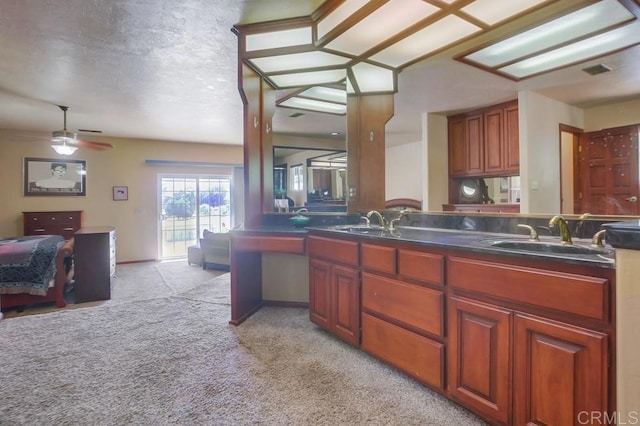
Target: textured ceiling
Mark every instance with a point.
(166, 69)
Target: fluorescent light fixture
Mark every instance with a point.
(373, 79)
(278, 39)
(440, 34)
(387, 21)
(589, 20)
(308, 78)
(599, 45)
(314, 105)
(298, 61)
(329, 94)
(338, 16)
(493, 11)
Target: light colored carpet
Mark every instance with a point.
(175, 359)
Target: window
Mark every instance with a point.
(297, 178)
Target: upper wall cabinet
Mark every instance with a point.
(485, 142)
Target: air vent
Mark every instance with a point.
(296, 115)
(597, 69)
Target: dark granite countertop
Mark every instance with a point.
(623, 234)
(471, 234)
(479, 242)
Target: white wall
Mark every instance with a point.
(539, 118)
(615, 115)
(436, 146)
(403, 177)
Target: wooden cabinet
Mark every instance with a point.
(403, 310)
(560, 371)
(485, 142)
(95, 263)
(64, 223)
(334, 287)
(560, 367)
(479, 357)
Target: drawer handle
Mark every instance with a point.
(38, 230)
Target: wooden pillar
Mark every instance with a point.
(259, 106)
(367, 116)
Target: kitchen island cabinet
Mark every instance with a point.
(515, 338)
(526, 341)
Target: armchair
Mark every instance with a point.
(214, 247)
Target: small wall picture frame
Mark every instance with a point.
(120, 193)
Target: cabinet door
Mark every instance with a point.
(320, 293)
(346, 304)
(457, 147)
(493, 147)
(474, 144)
(511, 140)
(560, 372)
(479, 367)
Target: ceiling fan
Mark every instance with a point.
(66, 142)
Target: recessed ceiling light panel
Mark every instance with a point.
(314, 105)
(297, 61)
(308, 78)
(387, 21)
(440, 34)
(339, 15)
(593, 47)
(277, 39)
(373, 79)
(493, 11)
(328, 94)
(589, 20)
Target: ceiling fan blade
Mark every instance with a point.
(93, 145)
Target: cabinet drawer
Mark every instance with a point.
(575, 294)
(421, 266)
(419, 357)
(410, 304)
(275, 244)
(331, 249)
(378, 258)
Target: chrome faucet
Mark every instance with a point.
(379, 216)
(565, 234)
(303, 209)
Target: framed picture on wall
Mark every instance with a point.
(120, 193)
(54, 177)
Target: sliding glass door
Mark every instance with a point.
(189, 205)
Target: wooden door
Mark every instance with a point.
(609, 171)
(345, 300)
(479, 357)
(320, 293)
(560, 373)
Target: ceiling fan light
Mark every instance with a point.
(64, 149)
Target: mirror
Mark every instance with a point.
(312, 178)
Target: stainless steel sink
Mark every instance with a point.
(549, 247)
(367, 229)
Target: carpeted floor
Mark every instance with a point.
(173, 358)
